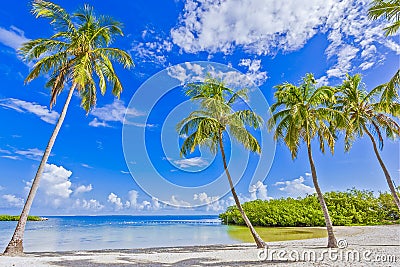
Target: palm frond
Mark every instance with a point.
(59, 17)
(389, 10)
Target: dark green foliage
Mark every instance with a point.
(16, 218)
(353, 207)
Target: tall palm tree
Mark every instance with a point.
(78, 50)
(300, 114)
(207, 127)
(365, 116)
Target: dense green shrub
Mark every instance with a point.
(353, 207)
(16, 218)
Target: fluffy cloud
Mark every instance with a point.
(174, 201)
(83, 189)
(55, 186)
(193, 72)
(114, 199)
(132, 202)
(13, 201)
(49, 116)
(259, 26)
(133, 196)
(13, 37)
(92, 204)
(191, 162)
(296, 187)
(263, 27)
(55, 181)
(213, 203)
(259, 191)
(153, 48)
(254, 73)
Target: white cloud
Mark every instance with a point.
(193, 72)
(264, 27)
(254, 73)
(259, 191)
(92, 204)
(174, 201)
(83, 189)
(344, 57)
(296, 187)
(31, 153)
(133, 196)
(153, 48)
(156, 203)
(2, 187)
(86, 166)
(115, 112)
(13, 201)
(11, 157)
(259, 26)
(191, 162)
(55, 182)
(96, 123)
(213, 203)
(13, 37)
(46, 115)
(4, 151)
(114, 199)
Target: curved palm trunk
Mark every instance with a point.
(15, 246)
(385, 171)
(259, 242)
(331, 236)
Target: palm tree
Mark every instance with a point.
(389, 10)
(300, 114)
(366, 117)
(79, 49)
(207, 126)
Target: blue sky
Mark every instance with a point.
(266, 42)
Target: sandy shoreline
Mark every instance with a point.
(366, 245)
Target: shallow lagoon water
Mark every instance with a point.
(66, 233)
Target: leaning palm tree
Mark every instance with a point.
(365, 116)
(78, 50)
(207, 127)
(300, 114)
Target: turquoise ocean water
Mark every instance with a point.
(65, 233)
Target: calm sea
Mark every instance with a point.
(61, 233)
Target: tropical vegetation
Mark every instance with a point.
(352, 207)
(77, 52)
(209, 125)
(4, 217)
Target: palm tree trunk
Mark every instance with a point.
(385, 171)
(259, 242)
(15, 246)
(331, 236)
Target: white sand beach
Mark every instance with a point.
(364, 246)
